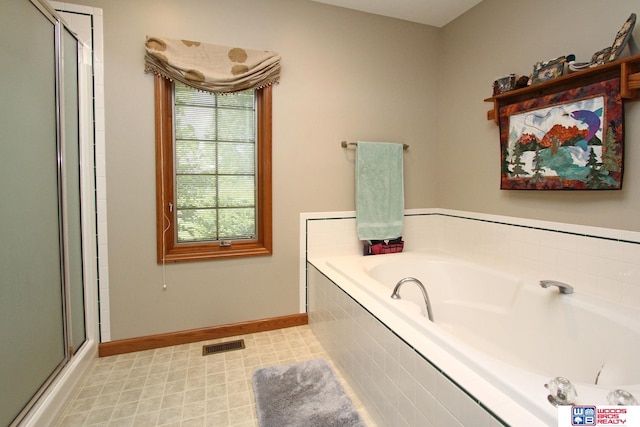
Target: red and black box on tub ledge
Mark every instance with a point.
(387, 246)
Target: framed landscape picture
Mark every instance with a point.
(571, 140)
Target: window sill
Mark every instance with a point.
(186, 253)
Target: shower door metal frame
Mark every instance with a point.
(59, 28)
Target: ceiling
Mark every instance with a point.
(431, 12)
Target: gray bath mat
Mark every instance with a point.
(304, 394)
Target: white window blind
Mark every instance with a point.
(215, 165)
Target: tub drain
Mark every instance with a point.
(222, 347)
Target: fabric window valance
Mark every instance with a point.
(209, 67)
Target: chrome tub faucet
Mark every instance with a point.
(396, 293)
(562, 287)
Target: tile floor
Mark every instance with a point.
(177, 386)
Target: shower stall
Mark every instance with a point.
(47, 206)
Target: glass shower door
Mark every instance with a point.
(36, 221)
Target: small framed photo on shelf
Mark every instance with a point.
(504, 84)
(543, 71)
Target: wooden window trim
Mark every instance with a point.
(167, 249)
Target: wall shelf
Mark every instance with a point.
(628, 69)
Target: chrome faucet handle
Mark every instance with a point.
(561, 391)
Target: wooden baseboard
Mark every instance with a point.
(203, 334)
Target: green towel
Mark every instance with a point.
(379, 190)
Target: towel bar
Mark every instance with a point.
(345, 144)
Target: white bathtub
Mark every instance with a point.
(513, 333)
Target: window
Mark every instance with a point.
(213, 173)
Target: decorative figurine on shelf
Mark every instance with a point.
(523, 81)
(623, 38)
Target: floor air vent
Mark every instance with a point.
(222, 347)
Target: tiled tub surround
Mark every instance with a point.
(598, 262)
(397, 385)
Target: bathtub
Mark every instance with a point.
(510, 332)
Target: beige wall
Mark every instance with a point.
(346, 75)
(498, 37)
